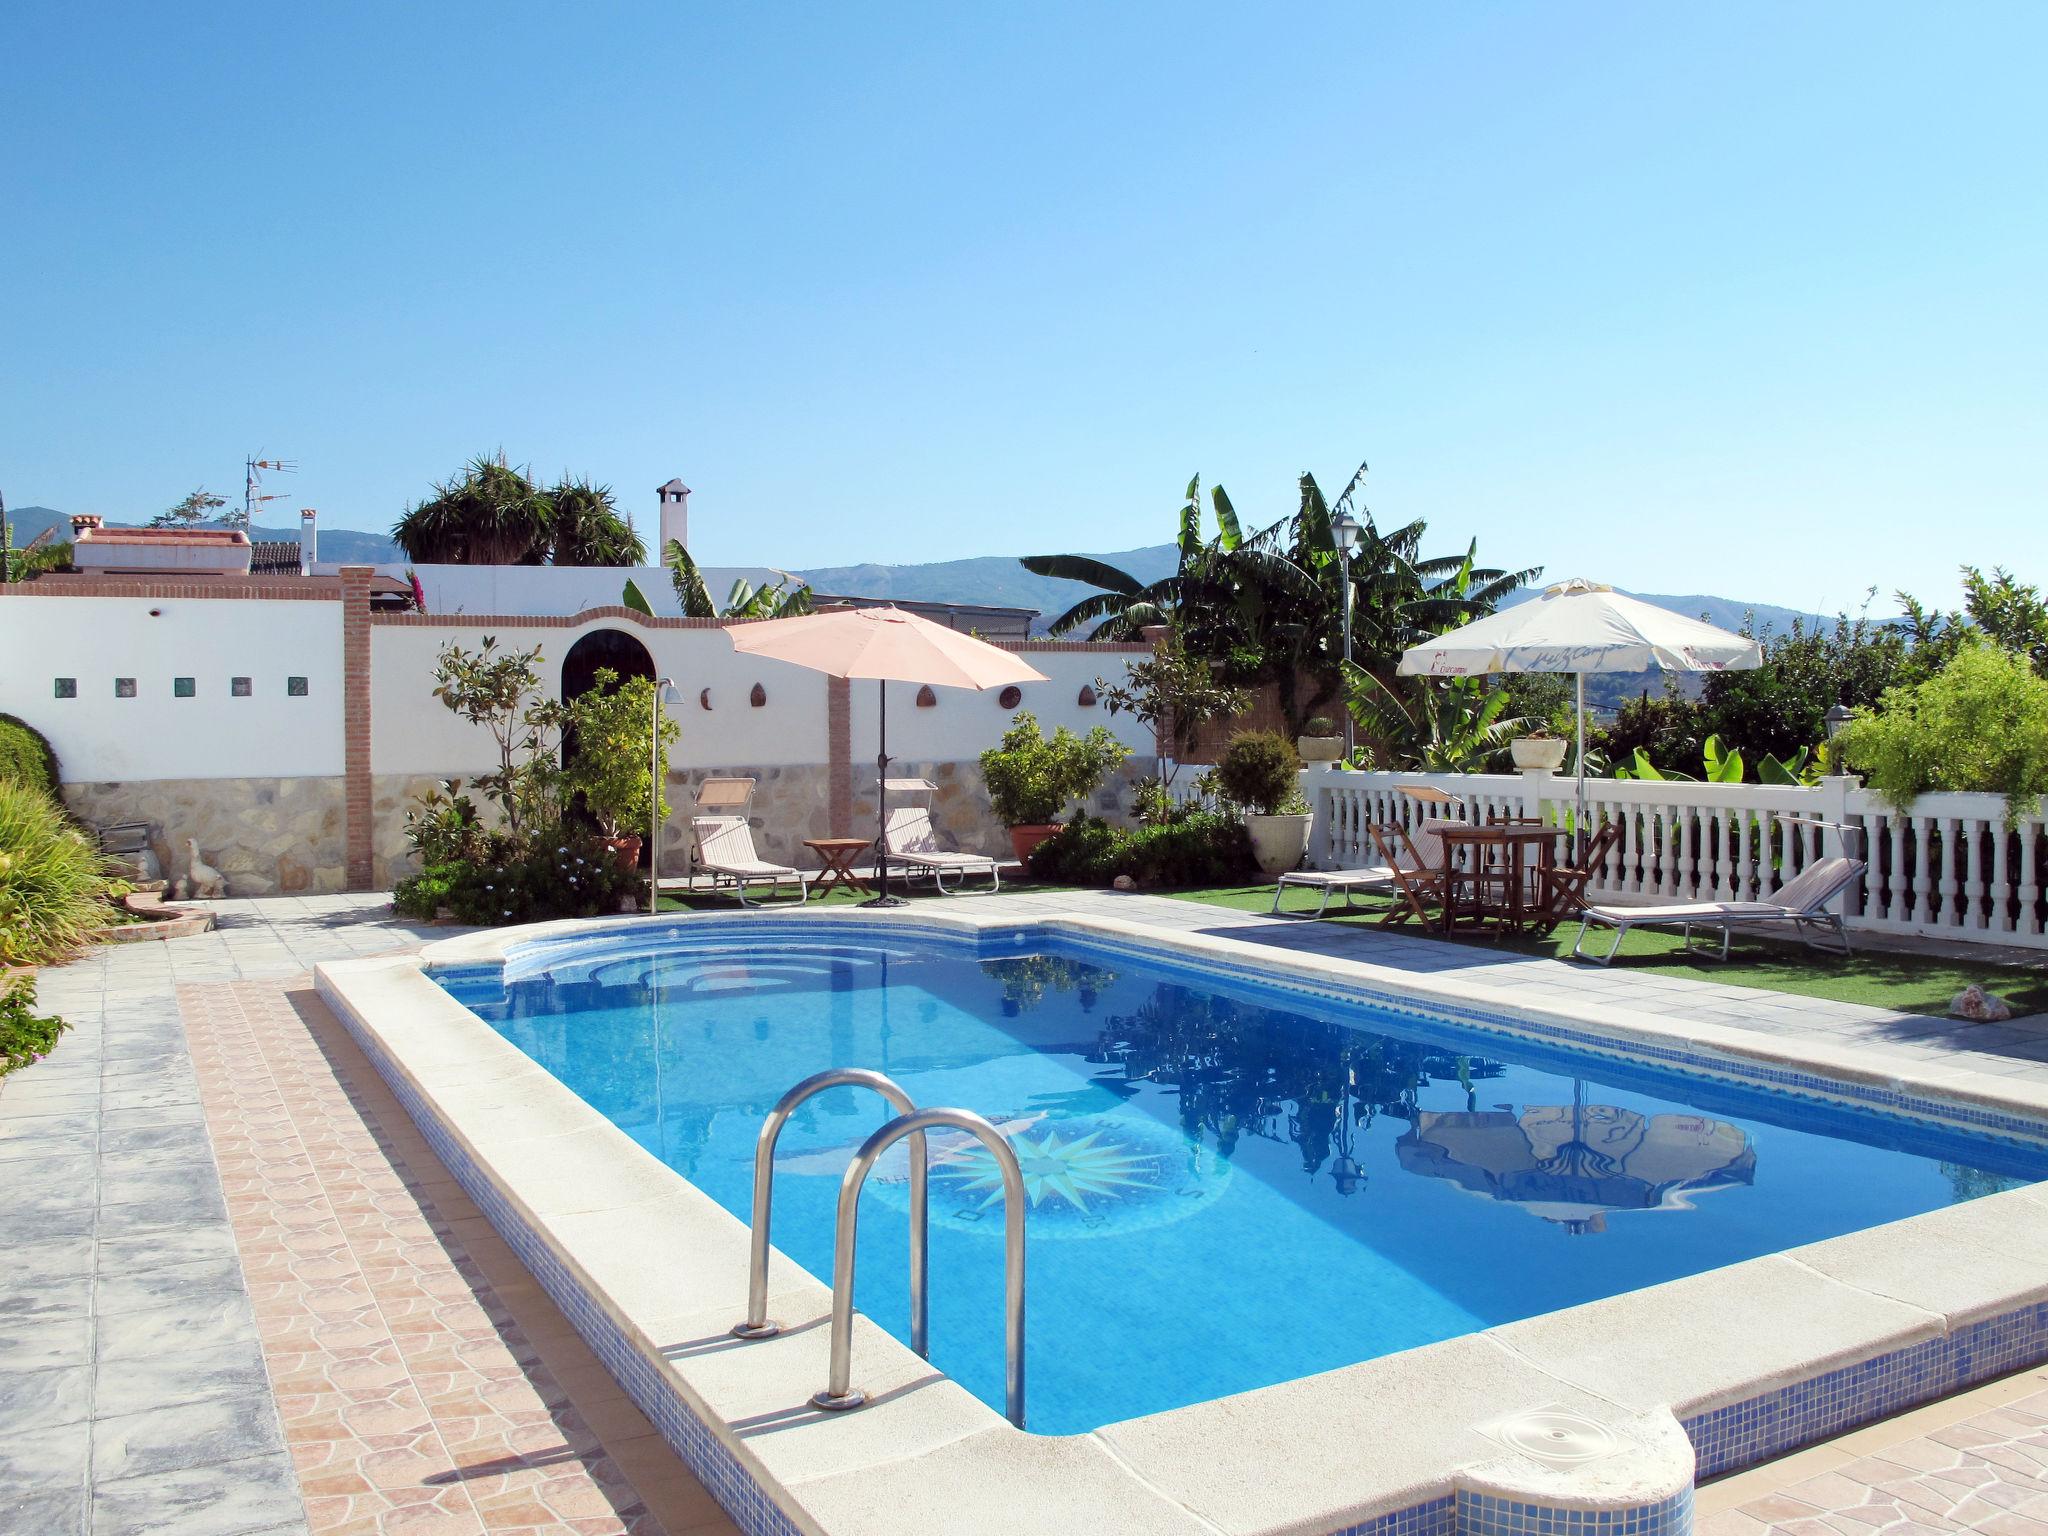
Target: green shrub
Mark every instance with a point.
(1979, 724)
(51, 879)
(25, 1035)
(1199, 848)
(443, 828)
(1260, 770)
(612, 725)
(555, 874)
(1031, 778)
(26, 756)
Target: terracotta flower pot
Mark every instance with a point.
(627, 850)
(1024, 839)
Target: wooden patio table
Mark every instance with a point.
(1514, 911)
(837, 854)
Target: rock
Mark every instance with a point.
(1124, 883)
(1978, 1006)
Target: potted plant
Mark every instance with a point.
(1319, 741)
(1539, 751)
(1260, 771)
(609, 762)
(1031, 778)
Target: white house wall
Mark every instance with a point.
(100, 737)
(961, 724)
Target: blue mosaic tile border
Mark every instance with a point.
(707, 1456)
(1777, 1422)
(1435, 1517)
(1484, 1515)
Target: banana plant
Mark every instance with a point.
(1448, 725)
(1723, 767)
(777, 600)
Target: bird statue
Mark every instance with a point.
(206, 880)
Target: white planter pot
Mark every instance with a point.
(1538, 752)
(1319, 749)
(1278, 842)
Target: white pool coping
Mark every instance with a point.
(666, 1265)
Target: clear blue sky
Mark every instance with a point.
(1743, 298)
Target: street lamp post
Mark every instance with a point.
(664, 693)
(1344, 528)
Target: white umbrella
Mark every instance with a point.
(1579, 626)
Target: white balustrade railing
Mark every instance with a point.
(1948, 867)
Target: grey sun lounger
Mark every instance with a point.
(1801, 901)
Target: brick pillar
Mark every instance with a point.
(839, 754)
(358, 798)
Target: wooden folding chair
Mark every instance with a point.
(1564, 893)
(1417, 884)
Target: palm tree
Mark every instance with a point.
(744, 601)
(588, 529)
(493, 514)
(490, 514)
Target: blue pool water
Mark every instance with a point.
(1231, 1185)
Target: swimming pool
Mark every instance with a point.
(1232, 1183)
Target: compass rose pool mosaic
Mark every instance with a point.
(1231, 1182)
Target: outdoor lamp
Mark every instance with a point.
(665, 692)
(1836, 718)
(1344, 528)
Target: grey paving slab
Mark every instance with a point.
(179, 1376)
(44, 1511)
(231, 1498)
(186, 1435)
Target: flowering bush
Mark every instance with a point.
(558, 874)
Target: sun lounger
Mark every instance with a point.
(725, 851)
(1424, 852)
(1801, 901)
(913, 846)
(1373, 877)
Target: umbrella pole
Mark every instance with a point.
(1579, 820)
(882, 898)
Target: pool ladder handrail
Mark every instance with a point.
(839, 1393)
(758, 1325)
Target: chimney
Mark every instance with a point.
(675, 517)
(309, 540)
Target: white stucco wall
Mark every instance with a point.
(962, 723)
(411, 732)
(156, 735)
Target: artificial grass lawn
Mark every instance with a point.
(1907, 983)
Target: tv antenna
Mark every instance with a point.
(252, 486)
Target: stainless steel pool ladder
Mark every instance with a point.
(758, 1324)
(839, 1391)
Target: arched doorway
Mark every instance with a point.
(612, 648)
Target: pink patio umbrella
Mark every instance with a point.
(890, 646)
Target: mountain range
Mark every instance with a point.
(996, 581)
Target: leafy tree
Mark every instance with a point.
(1032, 777)
(1667, 728)
(1980, 723)
(1174, 695)
(1999, 608)
(613, 725)
(781, 600)
(500, 691)
(1780, 708)
(196, 507)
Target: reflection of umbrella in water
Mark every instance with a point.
(1571, 1164)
